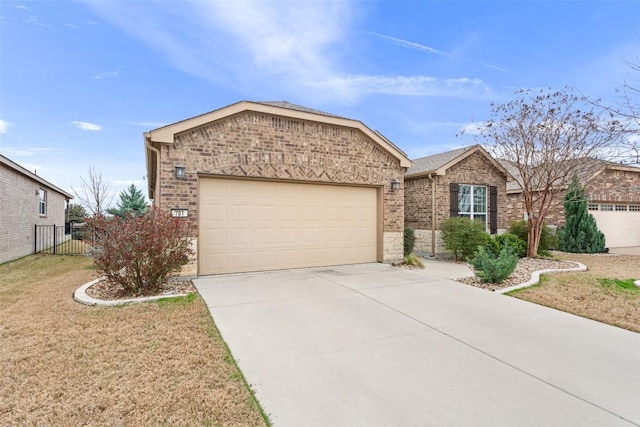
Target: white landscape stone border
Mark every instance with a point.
(535, 277)
(80, 295)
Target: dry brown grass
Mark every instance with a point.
(149, 364)
(582, 294)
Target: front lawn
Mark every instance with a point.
(148, 364)
(601, 293)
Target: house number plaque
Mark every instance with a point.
(179, 213)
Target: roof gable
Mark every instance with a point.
(166, 134)
(19, 169)
(439, 163)
(588, 169)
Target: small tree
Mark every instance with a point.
(462, 236)
(77, 213)
(132, 202)
(543, 136)
(94, 193)
(139, 253)
(580, 233)
(492, 268)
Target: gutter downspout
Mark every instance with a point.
(433, 214)
(156, 189)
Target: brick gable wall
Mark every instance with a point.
(475, 169)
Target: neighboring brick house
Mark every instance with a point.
(463, 182)
(614, 200)
(26, 200)
(273, 185)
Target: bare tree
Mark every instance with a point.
(544, 137)
(629, 109)
(95, 193)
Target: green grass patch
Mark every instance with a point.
(543, 279)
(180, 300)
(625, 284)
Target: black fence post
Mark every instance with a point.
(35, 238)
(55, 249)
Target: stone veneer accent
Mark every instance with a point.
(609, 186)
(260, 145)
(475, 169)
(393, 246)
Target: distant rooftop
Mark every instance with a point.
(432, 163)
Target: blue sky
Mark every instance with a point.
(80, 81)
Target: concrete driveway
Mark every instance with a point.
(375, 345)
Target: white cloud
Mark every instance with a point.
(20, 6)
(4, 126)
(107, 74)
(87, 126)
(28, 151)
(411, 45)
(359, 85)
(472, 128)
(296, 46)
(283, 38)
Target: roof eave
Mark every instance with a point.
(166, 134)
(16, 167)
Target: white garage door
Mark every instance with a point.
(620, 223)
(247, 225)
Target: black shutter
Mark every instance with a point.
(453, 199)
(493, 209)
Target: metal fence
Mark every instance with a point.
(65, 239)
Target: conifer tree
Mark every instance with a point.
(580, 233)
(131, 202)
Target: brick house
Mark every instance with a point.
(26, 200)
(614, 200)
(271, 185)
(464, 182)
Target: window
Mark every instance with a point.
(621, 207)
(593, 206)
(42, 205)
(606, 207)
(634, 208)
(472, 202)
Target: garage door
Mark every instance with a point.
(247, 225)
(620, 223)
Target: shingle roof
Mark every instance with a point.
(288, 105)
(432, 163)
(19, 169)
(587, 169)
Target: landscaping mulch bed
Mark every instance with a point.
(103, 290)
(521, 274)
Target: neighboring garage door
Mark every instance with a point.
(620, 223)
(248, 225)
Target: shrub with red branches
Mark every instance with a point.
(139, 253)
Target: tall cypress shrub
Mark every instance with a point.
(580, 233)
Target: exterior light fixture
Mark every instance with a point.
(395, 184)
(180, 172)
